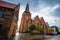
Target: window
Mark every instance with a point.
(7, 20)
(1, 14)
(0, 26)
(38, 24)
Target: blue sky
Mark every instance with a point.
(48, 9)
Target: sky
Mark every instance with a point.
(48, 9)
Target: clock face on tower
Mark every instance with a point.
(2, 14)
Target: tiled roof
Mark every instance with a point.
(7, 4)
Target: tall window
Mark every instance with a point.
(1, 14)
(0, 26)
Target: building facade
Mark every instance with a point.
(26, 21)
(53, 29)
(8, 19)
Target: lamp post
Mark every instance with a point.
(56, 28)
(55, 23)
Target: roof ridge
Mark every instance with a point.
(8, 2)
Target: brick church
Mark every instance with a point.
(26, 21)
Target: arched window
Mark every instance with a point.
(2, 14)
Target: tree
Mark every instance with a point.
(40, 28)
(32, 27)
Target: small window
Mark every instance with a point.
(0, 26)
(1, 14)
(38, 24)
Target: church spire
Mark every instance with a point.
(27, 8)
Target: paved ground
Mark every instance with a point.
(20, 37)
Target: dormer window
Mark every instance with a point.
(1, 14)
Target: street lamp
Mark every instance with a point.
(55, 22)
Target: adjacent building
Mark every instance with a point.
(26, 21)
(8, 19)
(53, 29)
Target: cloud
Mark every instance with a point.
(45, 12)
(56, 13)
(22, 8)
(51, 2)
(49, 9)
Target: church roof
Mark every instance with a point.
(42, 20)
(7, 4)
(27, 12)
(37, 17)
(27, 8)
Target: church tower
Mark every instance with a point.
(25, 21)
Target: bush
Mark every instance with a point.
(32, 27)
